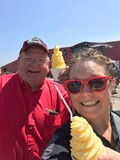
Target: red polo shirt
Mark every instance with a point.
(26, 125)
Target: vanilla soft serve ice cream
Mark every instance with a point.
(85, 144)
(58, 63)
(57, 58)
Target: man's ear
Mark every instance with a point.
(18, 61)
(50, 62)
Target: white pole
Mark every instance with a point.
(61, 96)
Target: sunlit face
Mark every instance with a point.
(33, 66)
(88, 103)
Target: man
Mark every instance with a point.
(30, 107)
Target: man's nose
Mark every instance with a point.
(35, 62)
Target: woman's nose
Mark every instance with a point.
(86, 89)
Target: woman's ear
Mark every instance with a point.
(113, 84)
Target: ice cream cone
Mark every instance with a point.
(58, 63)
(55, 72)
(85, 144)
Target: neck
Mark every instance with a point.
(102, 126)
(34, 87)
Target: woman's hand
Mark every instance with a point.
(109, 155)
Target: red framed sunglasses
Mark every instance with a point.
(96, 83)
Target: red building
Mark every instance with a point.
(110, 49)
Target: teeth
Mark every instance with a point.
(89, 103)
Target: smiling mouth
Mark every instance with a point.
(89, 103)
(33, 71)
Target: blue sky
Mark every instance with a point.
(63, 22)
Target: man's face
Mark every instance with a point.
(33, 66)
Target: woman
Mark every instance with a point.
(90, 81)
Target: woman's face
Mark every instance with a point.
(90, 104)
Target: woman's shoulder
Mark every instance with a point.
(116, 119)
(59, 146)
(117, 112)
(65, 129)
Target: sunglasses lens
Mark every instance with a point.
(97, 84)
(74, 87)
